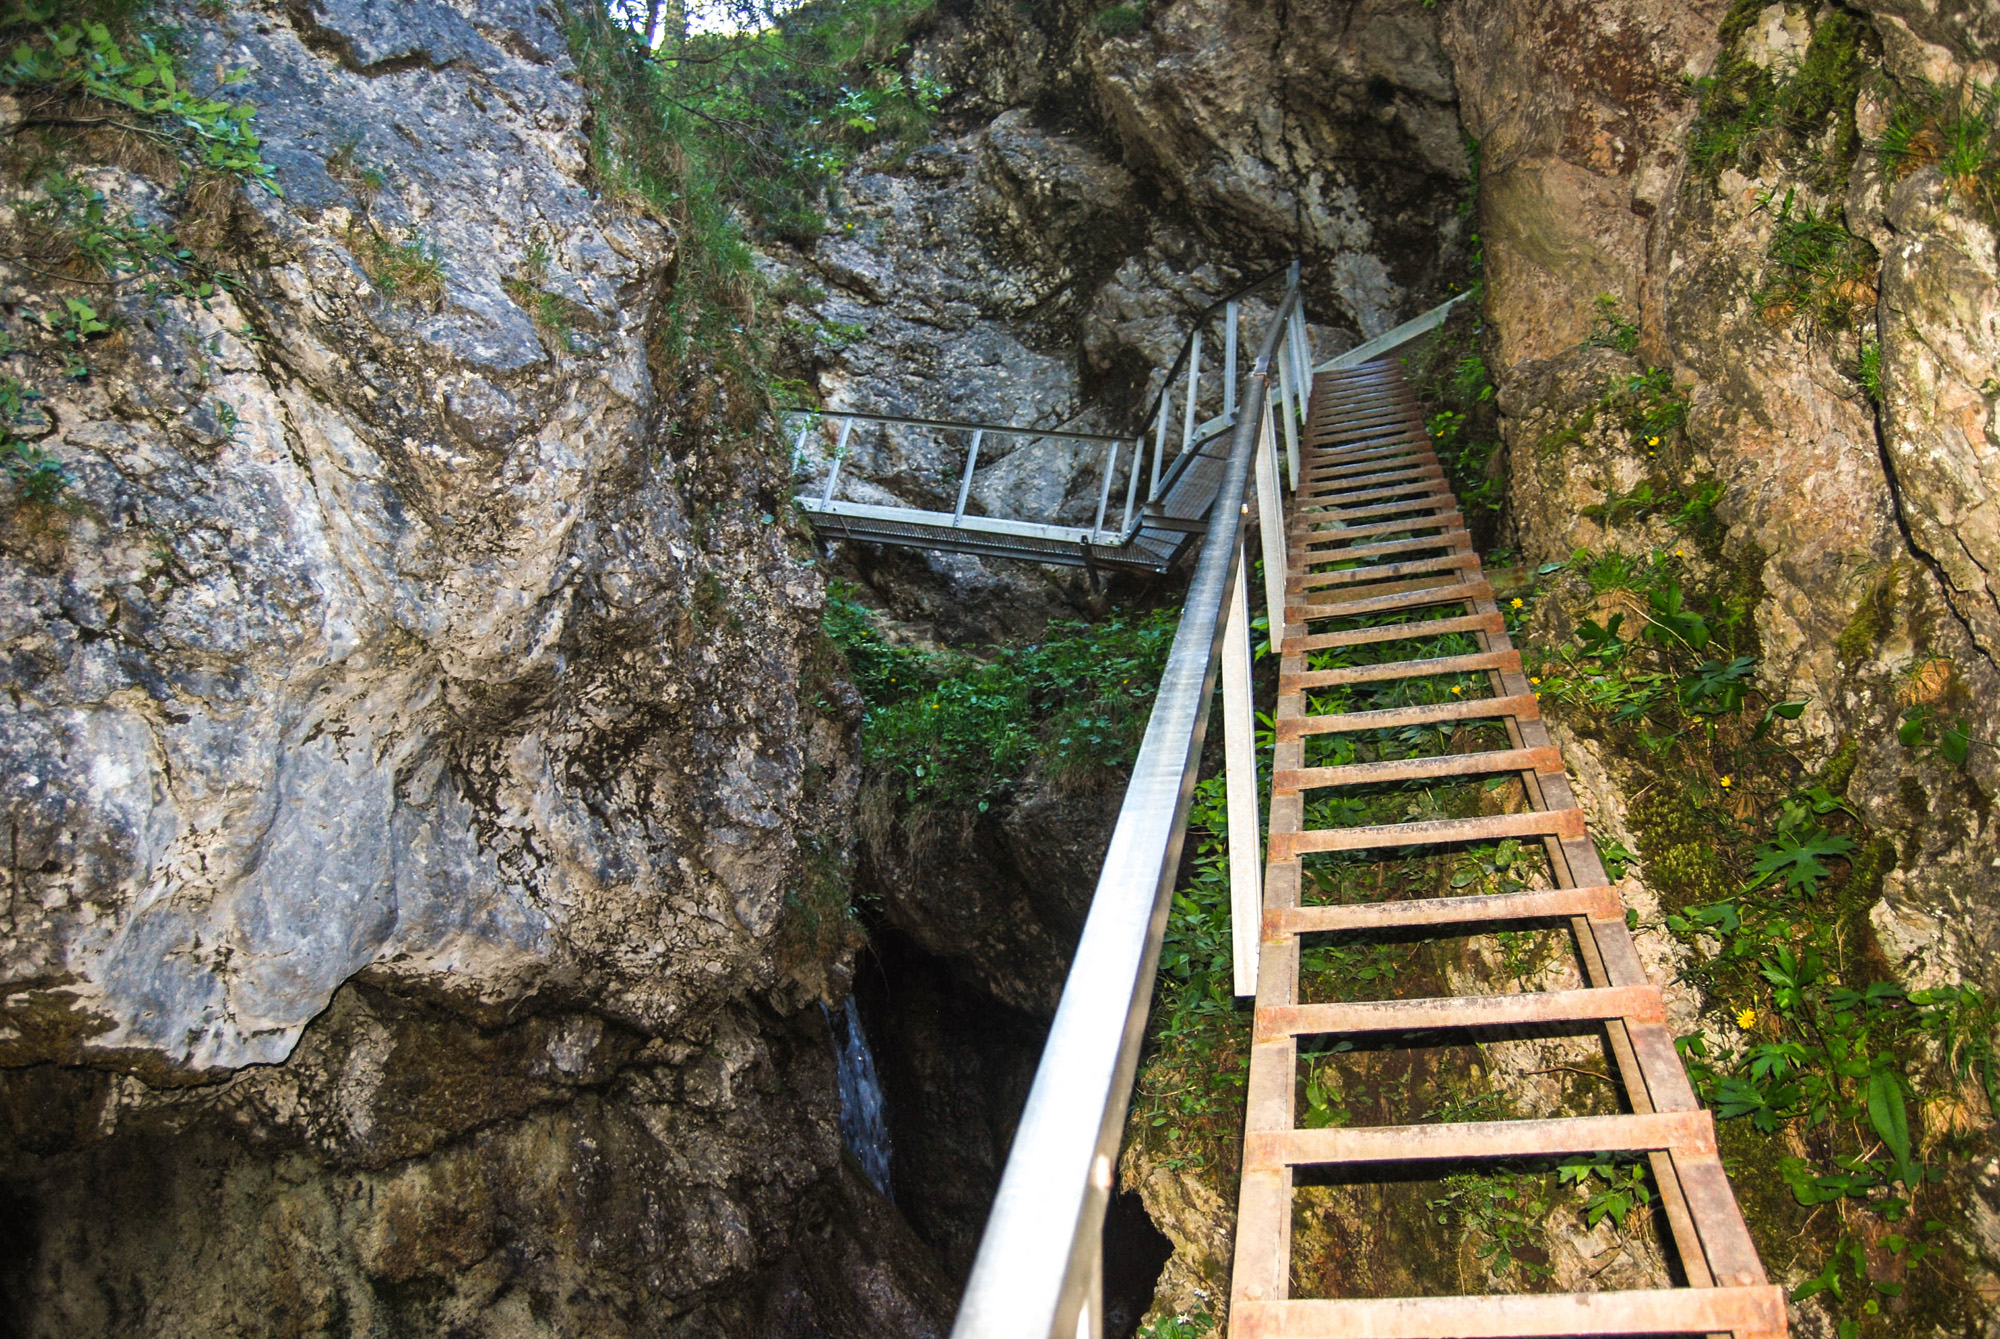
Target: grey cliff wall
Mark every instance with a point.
(411, 732)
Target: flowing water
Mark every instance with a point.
(862, 1122)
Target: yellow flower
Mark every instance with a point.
(1725, 783)
(1533, 679)
(1679, 554)
(1514, 603)
(1746, 1019)
(1538, 697)
(1457, 688)
(1652, 441)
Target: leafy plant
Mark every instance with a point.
(955, 728)
(1925, 730)
(1623, 1187)
(1820, 272)
(139, 76)
(1613, 331)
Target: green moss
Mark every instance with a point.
(1839, 769)
(1746, 110)
(1870, 622)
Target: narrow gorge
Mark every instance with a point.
(482, 865)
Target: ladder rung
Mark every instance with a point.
(1455, 592)
(1591, 1005)
(1365, 408)
(1692, 1131)
(1395, 632)
(1509, 659)
(1748, 1313)
(1355, 576)
(1523, 708)
(1320, 543)
(1600, 903)
(1350, 477)
(1564, 823)
(1378, 454)
(1294, 780)
(1419, 495)
(1320, 435)
(1449, 539)
(1361, 432)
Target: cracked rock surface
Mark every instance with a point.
(410, 733)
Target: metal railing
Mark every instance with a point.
(1039, 1271)
(1177, 476)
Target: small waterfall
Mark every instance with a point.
(862, 1123)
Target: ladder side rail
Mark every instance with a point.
(1039, 1267)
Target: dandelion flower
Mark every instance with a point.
(1746, 1018)
(1514, 603)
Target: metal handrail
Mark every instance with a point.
(1201, 319)
(1039, 1271)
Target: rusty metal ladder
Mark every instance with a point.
(1370, 488)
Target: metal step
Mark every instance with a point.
(1731, 1295)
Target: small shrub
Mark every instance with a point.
(407, 270)
(1121, 20)
(1820, 272)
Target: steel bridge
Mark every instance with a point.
(1366, 562)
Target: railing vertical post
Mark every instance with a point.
(1160, 441)
(1271, 530)
(1239, 752)
(1286, 401)
(839, 454)
(1193, 394)
(1132, 483)
(1104, 489)
(1229, 361)
(799, 443)
(965, 484)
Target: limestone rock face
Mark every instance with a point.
(1863, 532)
(409, 736)
(1040, 261)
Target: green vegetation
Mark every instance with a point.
(1122, 19)
(1837, 1085)
(1613, 331)
(1451, 377)
(94, 84)
(1820, 272)
(1957, 131)
(130, 78)
(950, 727)
(406, 269)
(723, 131)
(1748, 110)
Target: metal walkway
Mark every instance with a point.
(1379, 555)
(1180, 473)
(1370, 552)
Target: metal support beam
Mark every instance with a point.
(1104, 488)
(1271, 528)
(839, 454)
(1239, 752)
(1235, 313)
(1193, 395)
(965, 484)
